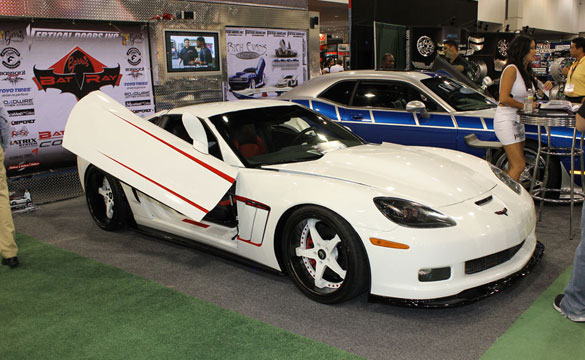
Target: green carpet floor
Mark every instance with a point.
(59, 305)
(541, 332)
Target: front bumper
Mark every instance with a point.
(239, 84)
(469, 295)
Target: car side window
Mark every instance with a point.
(340, 92)
(174, 125)
(213, 145)
(390, 95)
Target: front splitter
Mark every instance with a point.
(470, 295)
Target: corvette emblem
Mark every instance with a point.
(504, 211)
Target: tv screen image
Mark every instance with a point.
(192, 51)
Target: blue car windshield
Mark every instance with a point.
(459, 96)
(281, 134)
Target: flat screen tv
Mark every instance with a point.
(192, 51)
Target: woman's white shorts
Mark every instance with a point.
(507, 126)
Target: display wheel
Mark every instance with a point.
(502, 47)
(425, 46)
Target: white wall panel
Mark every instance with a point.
(581, 24)
(493, 11)
(554, 15)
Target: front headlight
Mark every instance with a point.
(412, 214)
(506, 179)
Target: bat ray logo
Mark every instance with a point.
(77, 73)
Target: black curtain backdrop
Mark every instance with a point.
(391, 39)
(459, 13)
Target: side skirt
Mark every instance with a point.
(167, 237)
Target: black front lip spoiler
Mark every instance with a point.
(470, 295)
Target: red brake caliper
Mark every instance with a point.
(310, 246)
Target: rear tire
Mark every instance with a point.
(106, 200)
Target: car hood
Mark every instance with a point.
(243, 74)
(412, 173)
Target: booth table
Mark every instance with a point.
(547, 119)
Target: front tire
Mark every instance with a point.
(106, 200)
(324, 256)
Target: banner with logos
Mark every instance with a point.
(47, 67)
(264, 62)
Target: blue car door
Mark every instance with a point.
(378, 113)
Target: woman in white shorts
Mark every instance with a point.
(515, 79)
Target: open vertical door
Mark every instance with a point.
(146, 157)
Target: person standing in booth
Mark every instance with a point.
(8, 247)
(575, 86)
(516, 78)
(338, 67)
(388, 62)
(571, 303)
(452, 55)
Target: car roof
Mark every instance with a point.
(216, 108)
(316, 85)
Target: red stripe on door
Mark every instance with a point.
(160, 185)
(205, 165)
(189, 221)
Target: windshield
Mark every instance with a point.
(281, 134)
(459, 96)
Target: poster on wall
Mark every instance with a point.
(264, 62)
(47, 68)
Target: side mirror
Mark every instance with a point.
(416, 106)
(197, 132)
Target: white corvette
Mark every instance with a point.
(280, 185)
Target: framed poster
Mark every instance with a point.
(47, 68)
(264, 62)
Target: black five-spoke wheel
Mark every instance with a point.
(105, 199)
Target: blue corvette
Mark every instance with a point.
(441, 113)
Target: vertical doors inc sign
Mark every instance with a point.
(77, 73)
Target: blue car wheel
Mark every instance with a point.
(530, 151)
